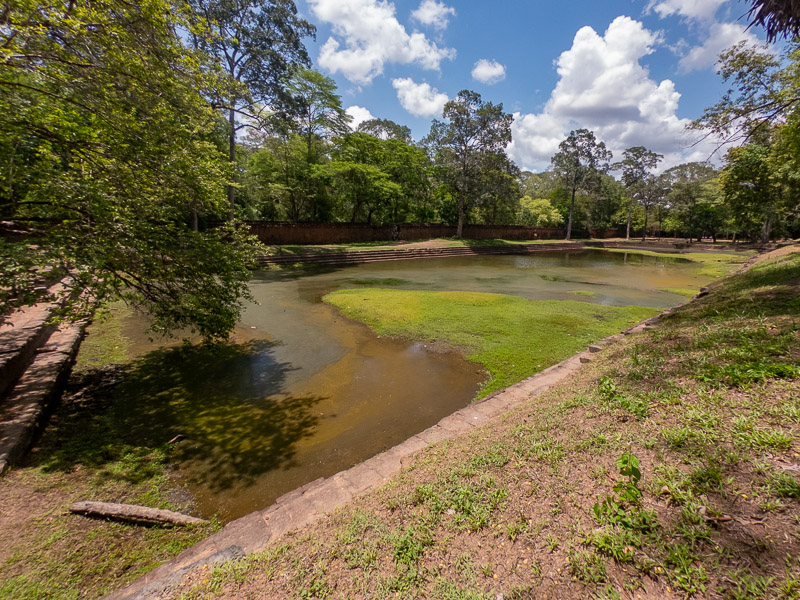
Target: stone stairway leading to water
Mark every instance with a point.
(35, 360)
(368, 256)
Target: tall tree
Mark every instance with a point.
(107, 139)
(319, 108)
(472, 130)
(756, 189)
(636, 164)
(686, 182)
(386, 130)
(579, 162)
(256, 43)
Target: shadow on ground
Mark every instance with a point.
(226, 402)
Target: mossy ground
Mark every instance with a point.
(86, 453)
(708, 403)
(512, 337)
(711, 265)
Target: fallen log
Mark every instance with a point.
(133, 512)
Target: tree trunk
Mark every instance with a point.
(766, 230)
(460, 227)
(132, 512)
(194, 219)
(628, 228)
(644, 231)
(232, 158)
(569, 221)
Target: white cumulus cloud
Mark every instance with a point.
(604, 87)
(368, 35)
(433, 13)
(488, 71)
(359, 114)
(420, 99)
(720, 37)
(701, 10)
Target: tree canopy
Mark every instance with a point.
(472, 131)
(110, 144)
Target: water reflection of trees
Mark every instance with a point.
(228, 401)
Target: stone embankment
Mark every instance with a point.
(341, 258)
(35, 360)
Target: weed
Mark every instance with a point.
(611, 394)
(747, 587)
(495, 456)
(587, 567)
(686, 573)
(513, 530)
(410, 546)
(785, 485)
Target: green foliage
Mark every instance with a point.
(610, 393)
(472, 138)
(112, 149)
(623, 510)
(538, 213)
(579, 162)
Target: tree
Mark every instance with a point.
(473, 130)
(579, 162)
(320, 114)
(499, 194)
(538, 212)
(386, 130)
(780, 18)
(653, 191)
(256, 43)
(687, 189)
(765, 91)
(756, 189)
(637, 163)
(108, 142)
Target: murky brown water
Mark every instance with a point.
(303, 393)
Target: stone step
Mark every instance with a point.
(24, 332)
(360, 257)
(26, 407)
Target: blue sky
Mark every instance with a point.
(633, 71)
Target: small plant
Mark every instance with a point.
(409, 547)
(513, 530)
(611, 394)
(785, 485)
(587, 567)
(614, 509)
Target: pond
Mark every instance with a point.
(302, 393)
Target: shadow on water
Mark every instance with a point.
(227, 402)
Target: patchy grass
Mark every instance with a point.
(512, 337)
(655, 473)
(712, 265)
(105, 343)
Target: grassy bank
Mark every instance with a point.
(668, 468)
(512, 337)
(87, 453)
